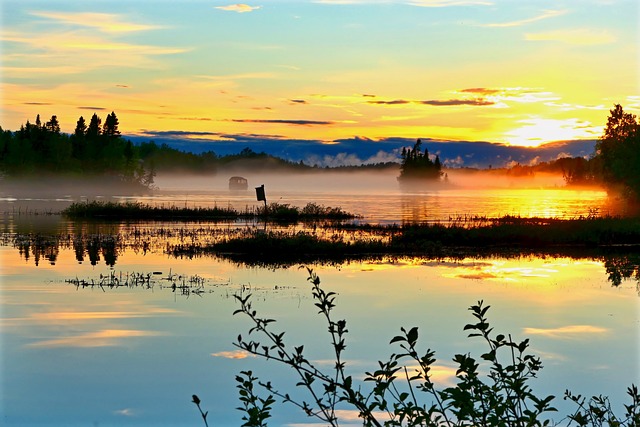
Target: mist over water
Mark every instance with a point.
(376, 196)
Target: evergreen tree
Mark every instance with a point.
(111, 126)
(81, 127)
(78, 139)
(618, 151)
(52, 125)
(93, 131)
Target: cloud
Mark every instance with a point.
(75, 41)
(449, 3)
(478, 102)
(481, 90)
(545, 15)
(241, 76)
(436, 103)
(177, 133)
(235, 354)
(583, 37)
(564, 332)
(239, 8)
(297, 101)
(286, 122)
(394, 102)
(420, 3)
(105, 22)
(92, 108)
(197, 119)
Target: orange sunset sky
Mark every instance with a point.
(514, 72)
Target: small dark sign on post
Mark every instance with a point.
(260, 194)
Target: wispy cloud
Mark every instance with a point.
(73, 42)
(545, 15)
(449, 3)
(421, 3)
(574, 37)
(571, 331)
(105, 22)
(239, 76)
(287, 122)
(239, 8)
(435, 102)
(481, 91)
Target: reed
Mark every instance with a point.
(139, 211)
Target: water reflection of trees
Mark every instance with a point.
(622, 267)
(94, 245)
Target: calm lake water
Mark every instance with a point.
(134, 355)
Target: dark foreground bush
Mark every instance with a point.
(401, 391)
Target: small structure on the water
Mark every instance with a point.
(238, 183)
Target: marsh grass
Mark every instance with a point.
(179, 284)
(508, 236)
(278, 212)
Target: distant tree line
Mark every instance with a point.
(615, 162)
(95, 149)
(98, 149)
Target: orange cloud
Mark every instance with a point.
(238, 7)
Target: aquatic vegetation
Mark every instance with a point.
(139, 211)
(491, 389)
(179, 284)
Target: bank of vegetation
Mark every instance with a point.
(276, 212)
(502, 236)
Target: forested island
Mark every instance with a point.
(97, 150)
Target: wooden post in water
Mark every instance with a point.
(261, 196)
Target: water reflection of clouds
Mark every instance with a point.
(234, 354)
(568, 332)
(97, 331)
(103, 338)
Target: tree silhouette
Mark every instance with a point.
(619, 151)
(111, 126)
(417, 166)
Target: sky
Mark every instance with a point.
(520, 73)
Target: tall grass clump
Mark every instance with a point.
(492, 389)
(277, 212)
(140, 211)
